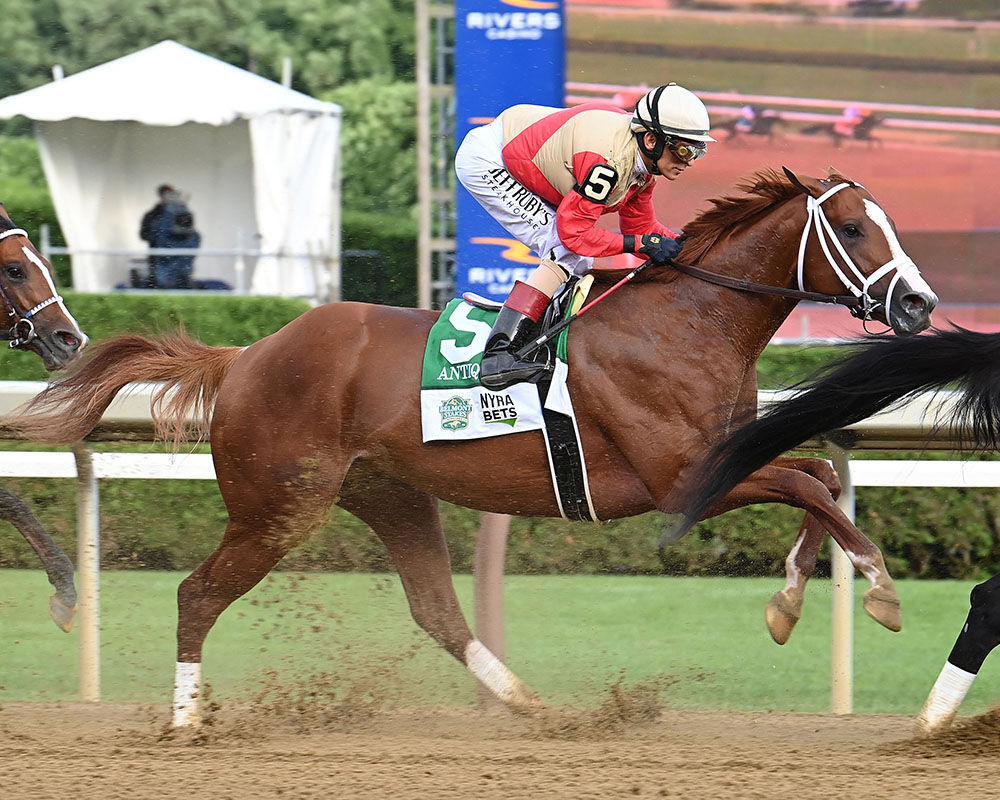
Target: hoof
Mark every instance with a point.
(61, 613)
(882, 605)
(527, 704)
(928, 727)
(781, 614)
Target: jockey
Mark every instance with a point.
(547, 175)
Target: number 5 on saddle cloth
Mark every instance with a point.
(455, 407)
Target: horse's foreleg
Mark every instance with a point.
(775, 484)
(62, 605)
(785, 607)
(407, 522)
(979, 636)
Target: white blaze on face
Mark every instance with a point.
(907, 269)
(52, 288)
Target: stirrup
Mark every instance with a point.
(501, 370)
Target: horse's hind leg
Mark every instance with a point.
(245, 555)
(62, 605)
(407, 522)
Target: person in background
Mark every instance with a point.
(547, 175)
(170, 224)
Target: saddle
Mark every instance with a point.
(559, 308)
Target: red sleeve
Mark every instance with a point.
(636, 215)
(576, 224)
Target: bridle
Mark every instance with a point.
(859, 301)
(22, 328)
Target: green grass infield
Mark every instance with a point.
(330, 637)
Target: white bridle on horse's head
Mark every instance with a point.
(22, 329)
(901, 263)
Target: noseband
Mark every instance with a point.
(22, 328)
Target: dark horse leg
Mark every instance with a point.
(62, 605)
(795, 487)
(979, 636)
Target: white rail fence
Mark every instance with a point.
(912, 427)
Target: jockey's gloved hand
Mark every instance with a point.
(660, 249)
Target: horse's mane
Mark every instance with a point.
(762, 190)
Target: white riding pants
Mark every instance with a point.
(527, 217)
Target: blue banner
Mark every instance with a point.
(506, 52)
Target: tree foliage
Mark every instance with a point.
(378, 144)
(358, 53)
(330, 42)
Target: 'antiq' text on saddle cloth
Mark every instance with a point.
(455, 407)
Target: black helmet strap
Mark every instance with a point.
(653, 126)
(653, 153)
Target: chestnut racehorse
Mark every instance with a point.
(874, 375)
(37, 319)
(326, 410)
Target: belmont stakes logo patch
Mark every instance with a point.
(455, 413)
(453, 404)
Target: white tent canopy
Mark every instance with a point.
(258, 162)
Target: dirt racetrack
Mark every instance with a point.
(629, 749)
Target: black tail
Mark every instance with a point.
(875, 374)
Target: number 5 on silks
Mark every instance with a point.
(599, 183)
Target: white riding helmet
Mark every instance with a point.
(672, 110)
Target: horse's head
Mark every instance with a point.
(850, 242)
(36, 318)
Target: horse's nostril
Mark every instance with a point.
(914, 302)
(68, 340)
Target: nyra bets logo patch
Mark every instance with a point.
(455, 413)
(498, 408)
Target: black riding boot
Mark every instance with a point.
(501, 368)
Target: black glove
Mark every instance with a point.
(660, 249)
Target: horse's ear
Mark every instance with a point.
(835, 174)
(796, 181)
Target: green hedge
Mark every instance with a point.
(216, 320)
(929, 533)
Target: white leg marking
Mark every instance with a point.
(793, 574)
(495, 676)
(187, 686)
(946, 696)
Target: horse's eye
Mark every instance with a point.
(851, 231)
(14, 272)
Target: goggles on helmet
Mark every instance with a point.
(686, 151)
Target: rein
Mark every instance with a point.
(22, 329)
(743, 285)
